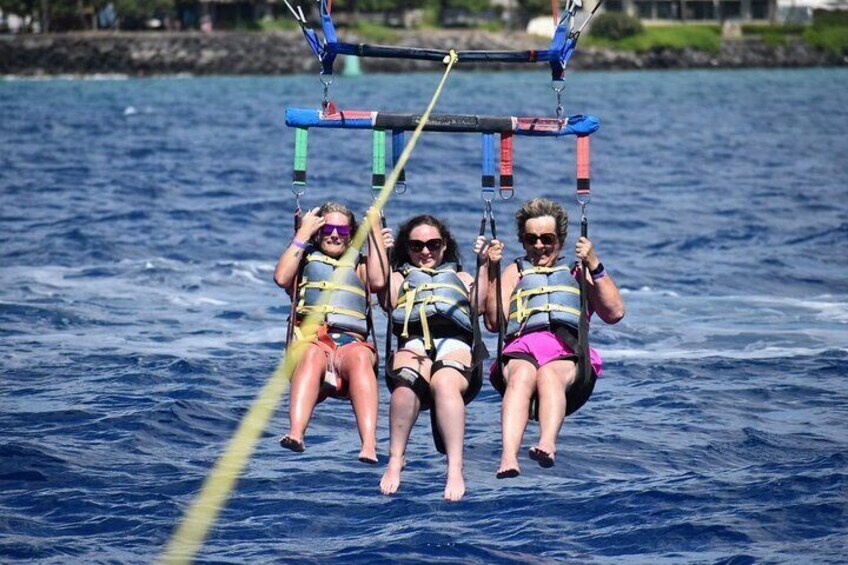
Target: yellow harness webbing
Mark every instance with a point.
(198, 519)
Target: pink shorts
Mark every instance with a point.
(542, 347)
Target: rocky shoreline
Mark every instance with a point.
(279, 53)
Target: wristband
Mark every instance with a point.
(598, 272)
(299, 244)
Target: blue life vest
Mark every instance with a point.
(544, 298)
(432, 297)
(345, 305)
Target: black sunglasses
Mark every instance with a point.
(417, 246)
(547, 238)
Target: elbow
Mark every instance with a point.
(280, 281)
(615, 315)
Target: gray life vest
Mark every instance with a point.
(544, 298)
(344, 305)
(432, 297)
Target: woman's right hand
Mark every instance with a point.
(310, 223)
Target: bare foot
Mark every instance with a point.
(294, 444)
(455, 486)
(509, 468)
(368, 455)
(543, 456)
(391, 478)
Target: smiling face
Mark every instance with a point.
(426, 246)
(332, 242)
(541, 242)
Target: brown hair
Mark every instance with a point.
(400, 254)
(538, 207)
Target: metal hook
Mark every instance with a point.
(325, 102)
(558, 86)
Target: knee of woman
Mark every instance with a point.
(522, 380)
(443, 384)
(560, 376)
(312, 354)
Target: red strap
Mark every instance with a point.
(583, 165)
(506, 184)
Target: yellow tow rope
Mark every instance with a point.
(188, 538)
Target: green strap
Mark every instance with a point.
(378, 160)
(301, 142)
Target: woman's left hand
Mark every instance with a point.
(388, 238)
(481, 247)
(586, 253)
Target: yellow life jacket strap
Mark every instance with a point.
(327, 309)
(329, 285)
(330, 261)
(522, 295)
(409, 296)
(422, 313)
(543, 270)
(545, 308)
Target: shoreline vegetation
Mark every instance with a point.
(278, 52)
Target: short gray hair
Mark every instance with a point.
(538, 207)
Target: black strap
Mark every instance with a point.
(294, 292)
(584, 367)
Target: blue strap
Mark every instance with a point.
(330, 40)
(488, 166)
(397, 149)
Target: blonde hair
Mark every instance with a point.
(332, 206)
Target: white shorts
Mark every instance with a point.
(442, 345)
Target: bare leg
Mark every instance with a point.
(306, 385)
(553, 380)
(403, 411)
(520, 379)
(357, 367)
(447, 387)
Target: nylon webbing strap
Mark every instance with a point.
(397, 149)
(301, 142)
(378, 160)
(583, 168)
(506, 188)
(487, 180)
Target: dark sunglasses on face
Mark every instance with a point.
(417, 246)
(327, 229)
(547, 238)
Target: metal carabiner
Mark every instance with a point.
(558, 86)
(325, 102)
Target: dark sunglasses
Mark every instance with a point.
(547, 238)
(328, 229)
(417, 246)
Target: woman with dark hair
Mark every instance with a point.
(431, 311)
(338, 362)
(537, 372)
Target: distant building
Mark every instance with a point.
(696, 10)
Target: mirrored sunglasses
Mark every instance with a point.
(417, 246)
(328, 229)
(547, 238)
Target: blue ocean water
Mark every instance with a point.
(141, 220)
